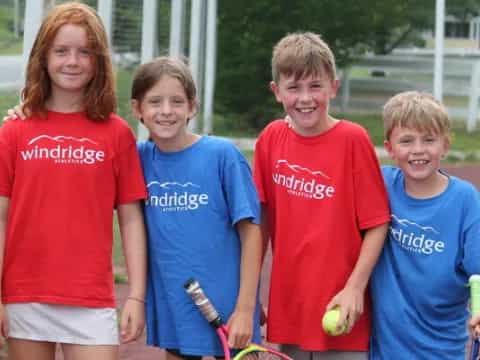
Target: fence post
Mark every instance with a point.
(34, 10)
(177, 19)
(195, 52)
(345, 88)
(473, 99)
(210, 65)
(105, 11)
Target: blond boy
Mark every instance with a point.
(324, 205)
(433, 245)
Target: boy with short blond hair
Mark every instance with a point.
(419, 283)
(324, 204)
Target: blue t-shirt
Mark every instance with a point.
(195, 198)
(418, 286)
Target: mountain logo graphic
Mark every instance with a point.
(170, 185)
(61, 138)
(299, 169)
(406, 222)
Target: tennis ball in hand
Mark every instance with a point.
(329, 323)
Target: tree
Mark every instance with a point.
(248, 29)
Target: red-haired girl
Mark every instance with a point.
(63, 171)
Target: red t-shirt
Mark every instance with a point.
(320, 193)
(64, 175)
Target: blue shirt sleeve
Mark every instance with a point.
(239, 188)
(471, 233)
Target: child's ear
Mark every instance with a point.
(135, 105)
(335, 87)
(193, 109)
(275, 90)
(446, 147)
(388, 146)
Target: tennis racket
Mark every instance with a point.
(474, 283)
(251, 352)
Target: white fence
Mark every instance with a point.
(370, 81)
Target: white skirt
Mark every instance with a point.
(62, 324)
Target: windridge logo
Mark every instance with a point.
(414, 237)
(63, 150)
(301, 181)
(176, 196)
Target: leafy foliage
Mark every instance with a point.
(248, 30)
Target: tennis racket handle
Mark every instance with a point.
(474, 283)
(193, 288)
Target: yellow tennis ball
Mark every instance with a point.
(329, 323)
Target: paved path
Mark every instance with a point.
(467, 172)
(10, 72)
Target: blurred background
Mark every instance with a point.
(381, 47)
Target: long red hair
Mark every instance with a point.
(99, 99)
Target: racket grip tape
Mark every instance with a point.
(193, 288)
(474, 283)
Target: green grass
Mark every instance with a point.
(9, 43)
(462, 140)
(14, 47)
(124, 83)
(7, 101)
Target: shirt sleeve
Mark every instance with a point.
(471, 233)
(7, 157)
(259, 162)
(239, 188)
(129, 176)
(371, 201)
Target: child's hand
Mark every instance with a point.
(3, 325)
(288, 121)
(16, 113)
(240, 329)
(132, 321)
(474, 325)
(350, 301)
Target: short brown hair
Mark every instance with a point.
(100, 99)
(415, 109)
(302, 54)
(148, 74)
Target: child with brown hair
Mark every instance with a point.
(202, 215)
(63, 172)
(324, 207)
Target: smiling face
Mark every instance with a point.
(306, 101)
(70, 62)
(165, 111)
(418, 153)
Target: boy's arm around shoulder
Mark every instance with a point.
(132, 229)
(241, 321)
